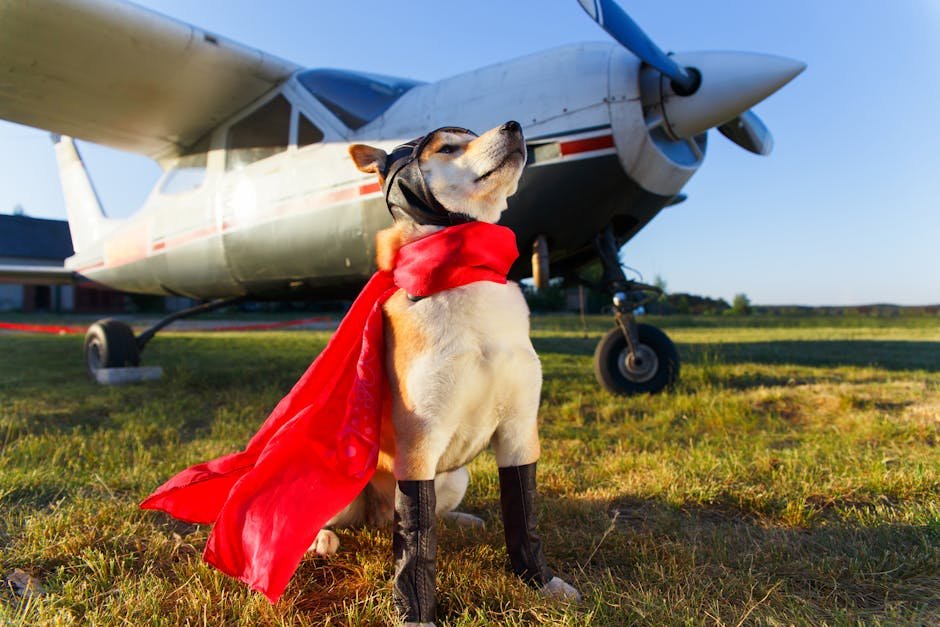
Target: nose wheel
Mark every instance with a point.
(651, 367)
(632, 358)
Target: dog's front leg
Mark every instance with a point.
(517, 502)
(415, 547)
(517, 448)
(526, 557)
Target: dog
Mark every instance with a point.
(462, 370)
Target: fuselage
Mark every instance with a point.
(269, 204)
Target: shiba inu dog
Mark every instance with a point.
(462, 369)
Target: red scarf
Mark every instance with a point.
(318, 449)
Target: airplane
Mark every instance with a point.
(259, 200)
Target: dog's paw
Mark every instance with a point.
(326, 544)
(558, 589)
(467, 521)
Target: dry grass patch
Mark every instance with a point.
(792, 477)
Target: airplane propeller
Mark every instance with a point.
(618, 25)
(722, 97)
(749, 132)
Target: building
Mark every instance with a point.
(39, 242)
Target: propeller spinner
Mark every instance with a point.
(689, 93)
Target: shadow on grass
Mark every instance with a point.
(887, 354)
(838, 568)
(36, 496)
(54, 423)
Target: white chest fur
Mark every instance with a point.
(473, 373)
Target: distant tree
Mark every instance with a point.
(660, 282)
(18, 210)
(659, 302)
(741, 305)
(682, 303)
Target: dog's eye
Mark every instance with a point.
(447, 149)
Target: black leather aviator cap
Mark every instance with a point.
(406, 190)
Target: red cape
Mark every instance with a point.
(318, 448)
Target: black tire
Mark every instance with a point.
(658, 366)
(110, 343)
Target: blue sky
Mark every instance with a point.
(845, 211)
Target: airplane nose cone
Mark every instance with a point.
(732, 83)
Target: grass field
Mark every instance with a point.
(792, 477)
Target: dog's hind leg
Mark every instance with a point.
(326, 543)
(451, 487)
(371, 506)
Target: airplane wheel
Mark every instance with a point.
(110, 343)
(656, 365)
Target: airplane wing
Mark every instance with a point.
(37, 275)
(117, 74)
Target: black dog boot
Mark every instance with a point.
(517, 501)
(415, 548)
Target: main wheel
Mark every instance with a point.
(110, 343)
(655, 366)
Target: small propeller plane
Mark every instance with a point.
(259, 199)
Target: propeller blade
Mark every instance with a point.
(618, 24)
(749, 132)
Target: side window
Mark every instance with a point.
(262, 134)
(189, 171)
(307, 132)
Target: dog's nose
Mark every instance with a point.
(511, 127)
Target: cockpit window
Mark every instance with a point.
(260, 135)
(355, 98)
(307, 132)
(189, 171)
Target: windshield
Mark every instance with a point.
(355, 98)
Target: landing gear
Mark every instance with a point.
(110, 343)
(650, 368)
(632, 358)
(540, 273)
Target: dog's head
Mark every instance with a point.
(450, 175)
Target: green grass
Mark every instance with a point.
(792, 477)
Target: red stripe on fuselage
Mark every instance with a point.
(589, 144)
(371, 188)
(97, 264)
(339, 195)
(188, 236)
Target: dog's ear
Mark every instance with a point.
(368, 159)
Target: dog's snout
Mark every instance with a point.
(511, 127)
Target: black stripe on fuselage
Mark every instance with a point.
(559, 136)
